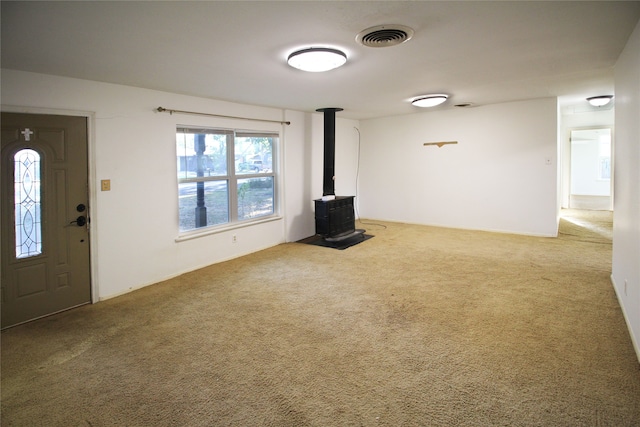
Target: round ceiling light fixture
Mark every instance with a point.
(317, 59)
(430, 100)
(599, 101)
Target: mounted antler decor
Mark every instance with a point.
(440, 144)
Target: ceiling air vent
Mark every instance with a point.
(384, 35)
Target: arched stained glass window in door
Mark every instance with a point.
(28, 221)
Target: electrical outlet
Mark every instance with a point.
(625, 287)
(105, 185)
(234, 239)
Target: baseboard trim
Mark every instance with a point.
(634, 342)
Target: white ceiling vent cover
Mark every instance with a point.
(384, 35)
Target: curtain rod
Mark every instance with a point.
(166, 110)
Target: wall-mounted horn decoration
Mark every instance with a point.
(440, 144)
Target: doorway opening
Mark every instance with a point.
(591, 169)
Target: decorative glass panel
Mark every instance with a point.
(28, 223)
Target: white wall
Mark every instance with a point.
(626, 214)
(496, 178)
(297, 157)
(347, 157)
(134, 226)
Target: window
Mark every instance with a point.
(28, 223)
(224, 176)
(604, 157)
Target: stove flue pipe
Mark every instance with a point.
(328, 182)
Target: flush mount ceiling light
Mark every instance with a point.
(429, 100)
(599, 101)
(317, 59)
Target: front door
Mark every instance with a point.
(45, 221)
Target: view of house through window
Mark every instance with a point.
(224, 176)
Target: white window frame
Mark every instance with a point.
(232, 178)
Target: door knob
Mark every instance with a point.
(81, 207)
(80, 221)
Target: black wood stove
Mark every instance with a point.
(335, 215)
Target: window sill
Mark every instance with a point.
(209, 231)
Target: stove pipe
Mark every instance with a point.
(328, 183)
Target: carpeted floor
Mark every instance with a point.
(419, 326)
(586, 226)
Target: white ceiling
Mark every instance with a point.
(479, 52)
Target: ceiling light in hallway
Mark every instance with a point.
(430, 100)
(317, 59)
(599, 101)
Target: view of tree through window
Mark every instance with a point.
(224, 176)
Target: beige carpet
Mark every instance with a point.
(419, 326)
(587, 226)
